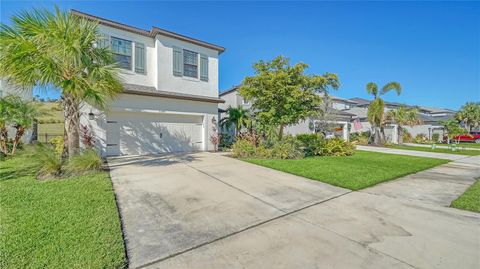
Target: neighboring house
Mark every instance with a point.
(336, 119)
(170, 92)
(431, 119)
(26, 94)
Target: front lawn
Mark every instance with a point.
(67, 223)
(438, 150)
(470, 145)
(356, 172)
(470, 199)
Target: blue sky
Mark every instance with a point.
(431, 48)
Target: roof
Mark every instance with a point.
(151, 91)
(336, 98)
(360, 101)
(152, 33)
(436, 110)
(232, 89)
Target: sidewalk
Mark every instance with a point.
(446, 156)
(440, 146)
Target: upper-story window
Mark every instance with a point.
(190, 64)
(122, 50)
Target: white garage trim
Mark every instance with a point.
(123, 109)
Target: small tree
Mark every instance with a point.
(238, 117)
(469, 114)
(282, 94)
(20, 115)
(403, 117)
(453, 129)
(376, 109)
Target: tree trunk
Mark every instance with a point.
(18, 135)
(382, 135)
(72, 124)
(4, 139)
(280, 131)
(376, 136)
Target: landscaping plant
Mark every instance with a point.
(336, 147)
(282, 94)
(376, 109)
(469, 114)
(43, 48)
(311, 143)
(403, 116)
(87, 161)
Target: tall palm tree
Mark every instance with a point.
(6, 109)
(58, 48)
(238, 117)
(376, 109)
(469, 114)
(403, 116)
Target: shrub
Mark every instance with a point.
(87, 160)
(243, 148)
(336, 147)
(58, 144)
(435, 137)
(420, 139)
(311, 143)
(406, 136)
(49, 160)
(361, 138)
(226, 141)
(288, 148)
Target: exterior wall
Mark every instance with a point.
(231, 99)
(129, 76)
(300, 128)
(427, 129)
(153, 106)
(339, 105)
(168, 82)
(159, 64)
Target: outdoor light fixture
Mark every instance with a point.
(91, 116)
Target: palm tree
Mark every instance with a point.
(238, 117)
(469, 114)
(23, 115)
(403, 117)
(376, 109)
(57, 48)
(6, 109)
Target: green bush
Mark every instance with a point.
(336, 147)
(50, 162)
(361, 138)
(311, 143)
(58, 144)
(420, 139)
(243, 148)
(288, 148)
(226, 141)
(435, 137)
(88, 160)
(406, 136)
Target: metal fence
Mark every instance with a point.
(45, 137)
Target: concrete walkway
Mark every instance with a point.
(205, 210)
(441, 146)
(446, 156)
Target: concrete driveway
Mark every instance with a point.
(206, 210)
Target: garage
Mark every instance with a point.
(138, 133)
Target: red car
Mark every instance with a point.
(472, 137)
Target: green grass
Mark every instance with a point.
(470, 145)
(62, 223)
(355, 172)
(470, 199)
(50, 111)
(438, 150)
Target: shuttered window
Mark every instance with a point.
(139, 58)
(177, 61)
(203, 67)
(122, 50)
(190, 64)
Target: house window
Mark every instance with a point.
(122, 51)
(190, 64)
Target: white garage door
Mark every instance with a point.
(146, 133)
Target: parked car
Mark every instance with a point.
(471, 137)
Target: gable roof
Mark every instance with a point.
(152, 33)
(232, 89)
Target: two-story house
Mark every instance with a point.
(334, 123)
(170, 92)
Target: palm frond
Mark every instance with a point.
(392, 86)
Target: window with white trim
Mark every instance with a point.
(190, 64)
(122, 51)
